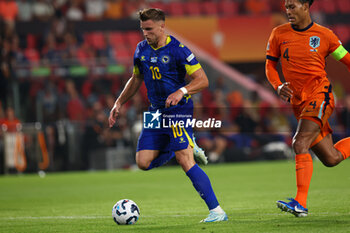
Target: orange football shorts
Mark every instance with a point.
(318, 109)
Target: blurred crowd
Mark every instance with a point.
(252, 129)
(75, 10)
(59, 41)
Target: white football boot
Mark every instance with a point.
(198, 153)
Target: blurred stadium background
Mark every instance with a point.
(63, 63)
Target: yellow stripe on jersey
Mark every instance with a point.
(187, 97)
(188, 138)
(339, 53)
(191, 69)
(168, 40)
(136, 70)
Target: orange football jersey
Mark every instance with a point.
(302, 54)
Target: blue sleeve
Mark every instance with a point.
(137, 61)
(188, 59)
(185, 56)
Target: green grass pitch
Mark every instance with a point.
(83, 201)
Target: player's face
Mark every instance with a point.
(152, 31)
(296, 11)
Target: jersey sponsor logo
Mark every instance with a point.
(190, 58)
(151, 120)
(314, 42)
(165, 59)
(154, 59)
(182, 140)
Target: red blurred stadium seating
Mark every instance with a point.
(95, 39)
(133, 38)
(193, 8)
(32, 54)
(227, 7)
(82, 56)
(160, 5)
(257, 7)
(117, 39)
(344, 6)
(176, 8)
(31, 41)
(316, 6)
(123, 55)
(343, 32)
(210, 8)
(328, 6)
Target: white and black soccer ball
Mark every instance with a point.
(125, 212)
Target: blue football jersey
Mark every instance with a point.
(164, 69)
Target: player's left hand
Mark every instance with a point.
(174, 98)
(113, 114)
(285, 92)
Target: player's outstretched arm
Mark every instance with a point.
(346, 60)
(341, 54)
(272, 74)
(129, 91)
(199, 81)
(282, 89)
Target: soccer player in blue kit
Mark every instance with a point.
(162, 62)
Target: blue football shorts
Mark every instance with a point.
(170, 136)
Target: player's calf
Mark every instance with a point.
(331, 162)
(326, 152)
(185, 158)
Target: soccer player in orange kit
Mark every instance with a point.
(302, 46)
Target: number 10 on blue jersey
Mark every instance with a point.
(155, 72)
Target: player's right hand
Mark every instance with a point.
(113, 114)
(285, 92)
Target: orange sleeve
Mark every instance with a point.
(272, 74)
(273, 50)
(334, 41)
(346, 60)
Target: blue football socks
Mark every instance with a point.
(202, 184)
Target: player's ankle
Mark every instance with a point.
(218, 209)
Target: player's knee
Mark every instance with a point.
(299, 146)
(142, 164)
(331, 161)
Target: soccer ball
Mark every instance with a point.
(125, 212)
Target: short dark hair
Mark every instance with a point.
(305, 1)
(154, 14)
